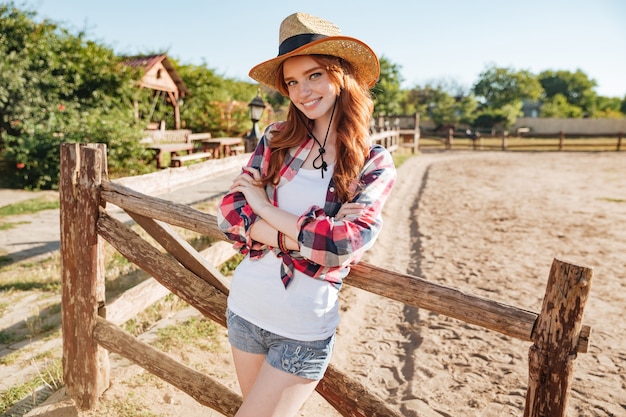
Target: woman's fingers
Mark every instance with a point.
(252, 172)
(248, 176)
(350, 210)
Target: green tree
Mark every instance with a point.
(498, 87)
(450, 110)
(444, 103)
(424, 99)
(57, 87)
(502, 92)
(607, 107)
(387, 92)
(575, 87)
(500, 118)
(558, 106)
(212, 99)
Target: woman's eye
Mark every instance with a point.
(316, 75)
(291, 83)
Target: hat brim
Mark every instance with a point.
(361, 56)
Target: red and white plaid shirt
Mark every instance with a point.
(327, 246)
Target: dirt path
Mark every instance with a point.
(490, 224)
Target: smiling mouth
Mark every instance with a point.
(312, 102)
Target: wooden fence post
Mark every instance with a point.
(450, 138)
(555, 336)
(85, 364)
(619, 141)
(416, 134)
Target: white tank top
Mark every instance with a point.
(308, 308)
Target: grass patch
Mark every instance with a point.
(145, 378)
(54, 287)
(400, 156)
(30, 206)
(45, 322)
(8, 338)
(613, 200)
(41, 322)
(41, 275)
(5, 260)
(10, 225)
(146, 318)
(228, 267)
(200, 333)
(131, 406)
(51, 376)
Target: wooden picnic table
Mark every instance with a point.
(221, 147)
(171, 148)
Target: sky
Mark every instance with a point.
(449, 42)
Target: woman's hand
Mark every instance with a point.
(349, 211)
(249, 184)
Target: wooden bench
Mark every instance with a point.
(179, 160)
(236, 150)
(198, 136)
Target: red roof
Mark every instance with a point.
(149, 61)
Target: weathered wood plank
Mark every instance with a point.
(194, 290)
(202, 388)
(131, 302)
(552, 355)
(160, 209)
(419, 292)
(85, 364)
(182, 251)
(351, 398)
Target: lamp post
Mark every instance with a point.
(257, 105)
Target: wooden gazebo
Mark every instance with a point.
(160, 76)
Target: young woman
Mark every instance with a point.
(305, 208)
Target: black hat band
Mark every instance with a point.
(295, 42)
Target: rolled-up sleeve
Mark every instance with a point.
(339, 243)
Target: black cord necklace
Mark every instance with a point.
(323, 166)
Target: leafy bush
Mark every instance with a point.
(57, 87)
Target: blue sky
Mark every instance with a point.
(432, 41)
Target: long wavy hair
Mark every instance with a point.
(352, 115)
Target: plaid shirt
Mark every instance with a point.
(327, 246)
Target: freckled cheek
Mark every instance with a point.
(293, 94)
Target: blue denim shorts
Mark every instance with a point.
(305, 359)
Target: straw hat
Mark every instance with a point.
(303, 34)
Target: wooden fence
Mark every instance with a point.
(389, 138)
(394, 138)
(556, 142)
(91, 327)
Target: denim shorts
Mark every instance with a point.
(302, 358)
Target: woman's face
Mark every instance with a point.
(309, 86)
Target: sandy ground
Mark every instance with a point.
(486, 223)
